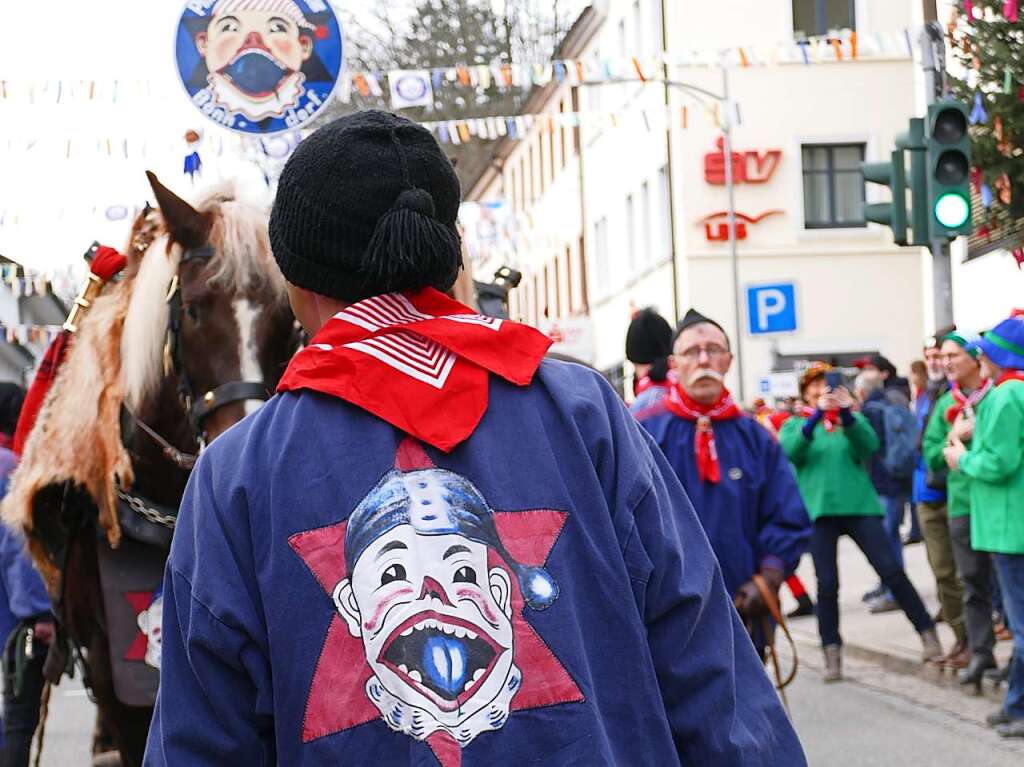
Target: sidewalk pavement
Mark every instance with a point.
(887, 639)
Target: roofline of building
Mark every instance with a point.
(582, 31)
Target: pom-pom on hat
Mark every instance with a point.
(436, 502)
(367, 205)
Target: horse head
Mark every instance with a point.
(208, 322)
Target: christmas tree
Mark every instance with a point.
(986, 40)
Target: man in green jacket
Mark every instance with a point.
(995, 467)
(955, 413)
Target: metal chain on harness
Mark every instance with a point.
(150, 515)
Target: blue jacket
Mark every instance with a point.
(923, 405)
(543, 594)
(23, 594)
(754, 516)
(885, 484)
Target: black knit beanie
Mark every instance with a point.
(367, 205)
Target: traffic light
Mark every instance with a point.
(892, 174)
(948, 164)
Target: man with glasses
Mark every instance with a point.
(734, 471)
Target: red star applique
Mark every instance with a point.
(140, 602)
(337, 699)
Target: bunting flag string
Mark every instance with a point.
(39, 335)
(517, 127)
(845, 47)
(29, 282)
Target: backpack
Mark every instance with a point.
(900, 457)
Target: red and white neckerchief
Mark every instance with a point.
(647, 382)
(681, 404)
(965, 402)
(1010, 375)
(828, 417)
(420, 361)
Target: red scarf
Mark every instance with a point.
(1010, 375)
(964, 401)
(830, 417)
(420, 361)
(646, 383)
(684, 406)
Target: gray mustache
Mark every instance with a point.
(700, 373)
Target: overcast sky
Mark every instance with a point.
(46, 198)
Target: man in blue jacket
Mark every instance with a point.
(26, 620)
(431, 547)
(741, 485)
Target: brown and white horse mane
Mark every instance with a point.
(243, 263)
(116, 357)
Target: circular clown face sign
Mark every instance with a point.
(259, 66)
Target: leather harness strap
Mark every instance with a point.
(771, 601)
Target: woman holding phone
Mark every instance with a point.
(828, 444)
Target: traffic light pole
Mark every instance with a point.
(933, 61)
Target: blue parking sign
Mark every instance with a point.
(771, 308)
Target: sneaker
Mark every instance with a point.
(910, 540)
(874, 594)
(883, 604)
(998, 718)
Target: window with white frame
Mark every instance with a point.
(631, 243)
(833, 186)
(819, 17)
(638, 30)
(646, 232)
(665, 218)
(602, 267)
(656, 28)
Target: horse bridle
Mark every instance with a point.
(197, 410)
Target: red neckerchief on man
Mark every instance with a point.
(681, 404)
(647, 382)
(829, 417)
(964, 401)
(1010, 375)
(420, 361)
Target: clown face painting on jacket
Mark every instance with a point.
(429, 594)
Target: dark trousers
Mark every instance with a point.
(21, 706)
(870, 537)
(1011, 578)
(976, 571)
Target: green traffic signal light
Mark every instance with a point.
(948, 164)
(952, 210)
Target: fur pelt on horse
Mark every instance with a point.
(77, 435)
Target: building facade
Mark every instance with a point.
(633, 215)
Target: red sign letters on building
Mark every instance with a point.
(716, 225)
(749, 167)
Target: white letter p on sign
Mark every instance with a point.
(770, 302)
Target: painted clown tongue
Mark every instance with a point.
(445, 659)
(255, 72)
